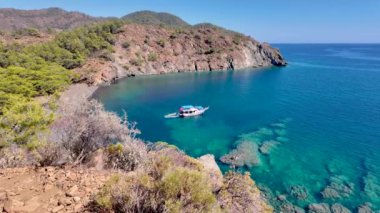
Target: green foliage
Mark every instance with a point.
(31, 83)
(136, 62)
(69, 49)
(209, 40)
(26, 32)
(237, 39)
(161, 43)
(182, 187)
(22, 120)
(163, 188)
(152, 57)
(42, 69)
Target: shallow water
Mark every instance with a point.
(323, 110)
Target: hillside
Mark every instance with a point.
(151, 49)
(154, 18)
(54, 18)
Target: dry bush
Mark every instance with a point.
(15, 156)
(84, 127)
(127, 156)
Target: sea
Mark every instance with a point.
(310, 131)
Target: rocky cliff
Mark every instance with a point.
(151, 49)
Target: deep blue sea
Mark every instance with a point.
(321, 115)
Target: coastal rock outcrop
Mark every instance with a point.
(151, 49)
(213, 170)
(239, 193)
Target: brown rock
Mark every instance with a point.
(3, 196)
(32, 205)
(213, 171)
(77, 208)
(58, 208)
(72, 191)
(12, 205)
(76, 199)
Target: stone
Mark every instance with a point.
(48, 187)
(213, 171)
(72, 191)
(58, 208)
(281, 197)
(76, 199)
(3, 196)
(12, 205)
(77, 208)
(65, 201)
(32, 205)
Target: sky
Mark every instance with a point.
(274, 21)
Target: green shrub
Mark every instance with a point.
(152, 57)
(183, 187)
(26, 32)
(237, 39)
(163, 188)
(161, 43)
(126, 45)
(136, 62)
(22, 120)
(209, 40)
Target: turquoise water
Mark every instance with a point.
(322, 114)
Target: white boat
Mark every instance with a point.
(188, 111)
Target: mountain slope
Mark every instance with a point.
(55, 18)
(154, 18)
(151, 49)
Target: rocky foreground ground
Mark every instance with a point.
(48, 189)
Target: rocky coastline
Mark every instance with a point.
(149, 50)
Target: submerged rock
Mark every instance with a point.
(290, 208)
(282, 139)
(245, 154)
(280, 132)
(279, 125)
(319, 208)
(299, 192)
(365, 208)
(267, 146)
(339, 208)
(339, 187)
(326, 208)
(371, 186)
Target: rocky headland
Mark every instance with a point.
(151, 49)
